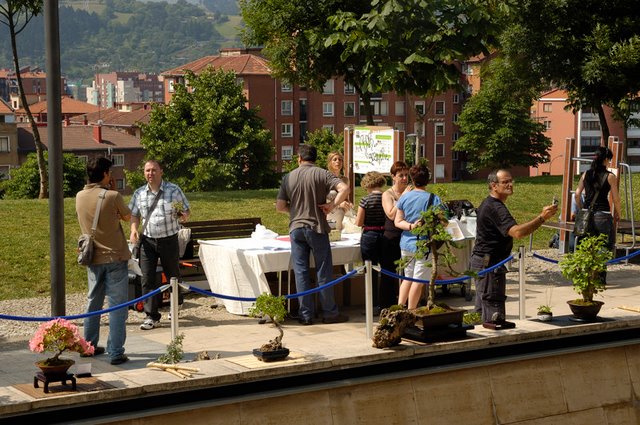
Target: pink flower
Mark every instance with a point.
(56, 336)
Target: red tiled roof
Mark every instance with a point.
(113, 117)
(244, 64)
(68, 106)
(79, 138)
(5, 109)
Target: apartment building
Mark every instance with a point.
(290, 111)
(113, 88)
(8, 140)
(34, 83)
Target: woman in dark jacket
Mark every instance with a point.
(598, 177)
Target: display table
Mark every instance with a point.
(237, 267)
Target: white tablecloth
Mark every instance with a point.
(237, 267)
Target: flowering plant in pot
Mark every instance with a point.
(273, 308)
(56, 336)
(585, 268)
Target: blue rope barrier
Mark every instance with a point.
(613, 261)
(448, 281)
(289, 296)
(550, 260)
(82, 316)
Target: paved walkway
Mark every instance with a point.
(233, 341)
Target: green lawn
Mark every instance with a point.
(24, 246)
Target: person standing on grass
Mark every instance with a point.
(408, 217)
(391, 236)
(303, 195)
(495, 230)
(335, 162)
(371, 218)
(108, 273)
(160, 237)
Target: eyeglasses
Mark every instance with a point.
(505, 182)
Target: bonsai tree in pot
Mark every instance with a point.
(544, 313)
(271, 307)
(585, 268)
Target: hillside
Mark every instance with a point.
(126, 36)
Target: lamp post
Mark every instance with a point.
(551, 162)
(416, 146)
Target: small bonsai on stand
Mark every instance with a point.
(586, 268)
(273, 308)
(544, 313)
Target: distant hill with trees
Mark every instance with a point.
(124, 35)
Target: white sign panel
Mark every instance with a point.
(372, 149)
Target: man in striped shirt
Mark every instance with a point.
(160, 207)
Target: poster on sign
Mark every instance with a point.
(372, 149)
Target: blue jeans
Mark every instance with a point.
(110, 280)
(304, 241)
(371, 244)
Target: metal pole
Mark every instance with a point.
(521, 275)
(54, 137)
(174, 307)
(435, 148)
(368, 297)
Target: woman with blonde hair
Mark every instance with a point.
(335, 164)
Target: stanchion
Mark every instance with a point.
(368, 298)
(174, 307)
(521, 275)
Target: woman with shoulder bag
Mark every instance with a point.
(597, 183)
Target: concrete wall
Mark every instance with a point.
(600, 387)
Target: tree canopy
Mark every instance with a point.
(590, 48)
(496, 124)
(375, 46)
(206, 137)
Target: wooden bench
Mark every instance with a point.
(191, 267)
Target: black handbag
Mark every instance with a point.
(584, 224)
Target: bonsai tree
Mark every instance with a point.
(585, 267)
(273, 308)
(544, 309)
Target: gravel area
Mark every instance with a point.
(197, 310)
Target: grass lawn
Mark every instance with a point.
(24, 246)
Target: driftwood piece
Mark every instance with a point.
(165, 366)
(392, 327)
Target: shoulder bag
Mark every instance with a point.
(85, 241)
(584, 224)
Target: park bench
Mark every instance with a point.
(191, 267)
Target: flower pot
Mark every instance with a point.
(545, 317)
(55, 372)
(585, 312)
(271, 356)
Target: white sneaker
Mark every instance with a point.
(149, 324)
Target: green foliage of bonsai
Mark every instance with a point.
(174, 351)
(272, 307)
(544, 309)
(584, 267)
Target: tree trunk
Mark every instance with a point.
(42, 166)
(366, 107)
(603, 125)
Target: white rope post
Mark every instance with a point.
(521, 275)
(173, 307)
(368, 297)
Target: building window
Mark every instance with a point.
(117, 160)
(327, 109)
(455, 117)
(589, 144)
(287, 153)
(591, 125)
(467, 69)
(439, 149)
(286, 87)
(120, 184)
(456, 98)
(399, 126)
(454, 155)
(83, 158)
(378, 107)
(349, 88)
(286, 107)
(349, 109)
(5, 146)
(419, 108)
(328, 127)
(439, 129)
(400, 108)
(455, 136)
(171, 83)
(303, 132)
(302, 107)
(328, 87)
(547, 125)
(546, 107)
(439, 107)
(286, 130)
(4, 172)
